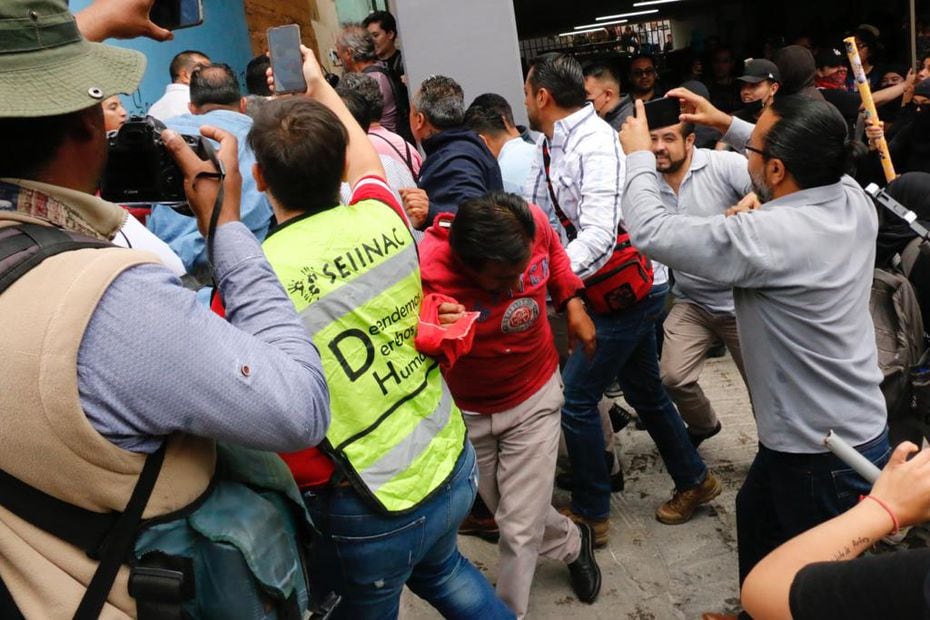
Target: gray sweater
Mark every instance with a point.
(801, 268)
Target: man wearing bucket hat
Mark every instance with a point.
(112, 373)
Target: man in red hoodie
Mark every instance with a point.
(498, 256)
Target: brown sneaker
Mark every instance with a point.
(600, 527)
(683, 503)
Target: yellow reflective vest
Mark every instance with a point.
(354, 277)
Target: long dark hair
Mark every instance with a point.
(810, 138)
(497, 227)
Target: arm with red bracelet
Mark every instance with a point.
(899, 498)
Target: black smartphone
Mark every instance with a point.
(662, 112)
(177, 14)
(287, 63)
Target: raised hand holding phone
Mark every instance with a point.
(662, 112)
(287, 59)
(177, 14)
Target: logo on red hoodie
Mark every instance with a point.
(520, 315)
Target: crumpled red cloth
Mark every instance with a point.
(444, 343)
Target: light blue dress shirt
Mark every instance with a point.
(180, 231)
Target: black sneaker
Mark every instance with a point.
(563, 480)
(584, 571)
(699, 438)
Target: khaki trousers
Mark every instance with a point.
(517, 451)
(690, 331)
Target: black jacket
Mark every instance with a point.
(458, 166)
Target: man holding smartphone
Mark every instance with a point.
(801, 270)
(396, 475)
(700, 182)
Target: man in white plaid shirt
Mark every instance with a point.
(586, 173)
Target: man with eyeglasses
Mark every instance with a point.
(801, 271)
(644, 78)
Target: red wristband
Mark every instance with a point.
(894, 519)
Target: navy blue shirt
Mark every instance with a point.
(458, 166)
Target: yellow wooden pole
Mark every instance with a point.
(871, 115)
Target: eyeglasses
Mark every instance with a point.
(761, 152)
(643, 72)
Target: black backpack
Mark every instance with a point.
(899, 338)
(401, 100)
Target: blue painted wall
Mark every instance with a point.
(223, 36)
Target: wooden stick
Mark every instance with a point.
(871, 115)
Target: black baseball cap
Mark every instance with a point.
(830, 57)
(758, 69)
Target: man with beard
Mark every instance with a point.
(801, 271)
(579, 171)
(703, 183)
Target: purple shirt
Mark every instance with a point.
(389, 118)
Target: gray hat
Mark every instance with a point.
(48, 68)
(696, 87)
(758, 69)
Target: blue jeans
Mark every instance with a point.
(367, 557)
(785, 494)
(626, 351)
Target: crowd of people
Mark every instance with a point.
(378, 315)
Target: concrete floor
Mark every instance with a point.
(651, 570)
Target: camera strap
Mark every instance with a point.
(219, 175)
(215, 215)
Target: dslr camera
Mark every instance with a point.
(140, 170)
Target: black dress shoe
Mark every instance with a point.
(699, 438)
(718, 349)
(585, 573)
(619, 417)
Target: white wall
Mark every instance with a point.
(473, 42)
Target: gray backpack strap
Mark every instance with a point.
(909, 256)
(859, 129)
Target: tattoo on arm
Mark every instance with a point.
(852, 549)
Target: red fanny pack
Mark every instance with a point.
(624, 280)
